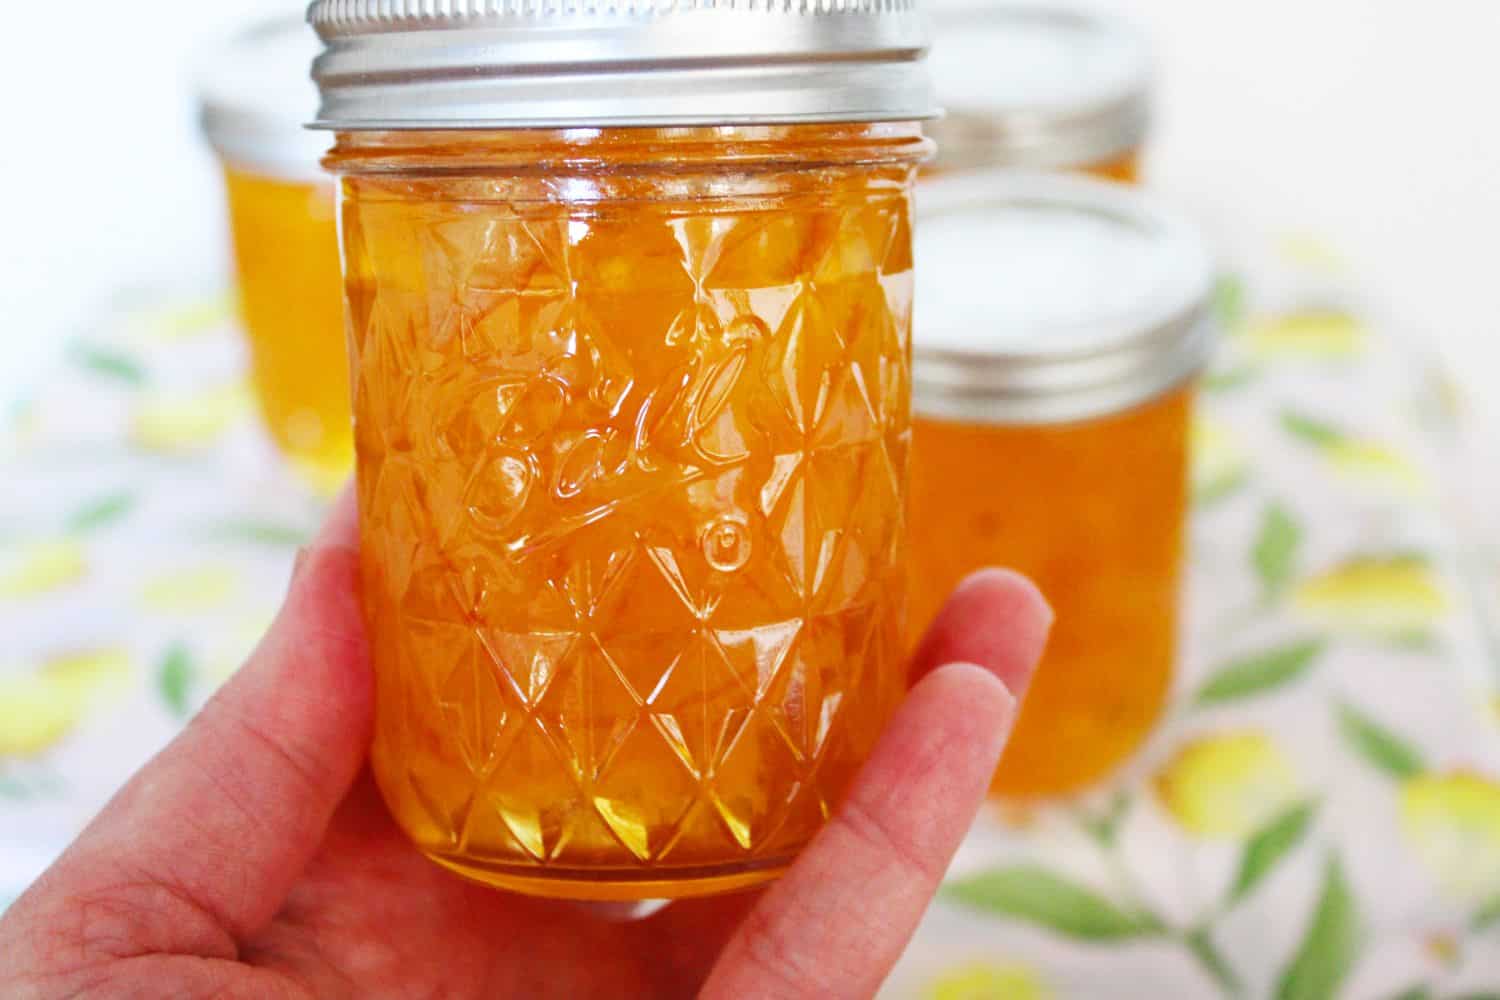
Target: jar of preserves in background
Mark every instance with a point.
(1039, 85)
(1063, 323)
(255, 102)
(630, 295)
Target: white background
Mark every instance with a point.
(1373, 122)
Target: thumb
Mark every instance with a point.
(200, 848)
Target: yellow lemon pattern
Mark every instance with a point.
(1227, 785)
(1452, 822)
(194, 589)
(1377, 595)
(189, 422)
(989, 981)
(185, 321)
(1378, 468)
(39, 708)
(42, 568)
(1220, 463)
(1306, 336)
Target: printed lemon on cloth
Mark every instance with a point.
(1309, 335)
(39, 708)
(1376, 595)
(173, 323)
(989, 981)
(1220, 462)
(1361, 463)
(191, 421)
(1227, 785)
(1452, 822)
(192, 589)
(41, 568)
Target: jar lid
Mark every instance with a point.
(1045, 298)
(478, 64)
(1037, 85)
(255, 98)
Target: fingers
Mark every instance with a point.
(838, 921)
(201, 846)
(995, 617)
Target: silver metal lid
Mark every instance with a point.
(1045, 298)
(475, 64)
(1037, 85)
(255, 98)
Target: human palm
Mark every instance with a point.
(254, 858)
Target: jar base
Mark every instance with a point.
(615, 886)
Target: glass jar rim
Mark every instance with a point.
(415, 64)
(1046, 370)
(255, 97)
(1039, 85)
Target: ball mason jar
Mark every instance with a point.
(1052, 417)
(255, 100)
(629, 299)
(1039, 85)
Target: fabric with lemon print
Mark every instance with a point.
(1318, 816)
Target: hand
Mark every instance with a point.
(254, 858)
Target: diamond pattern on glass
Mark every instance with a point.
(632, 496)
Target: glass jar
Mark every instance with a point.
(632, 416)
(254, 105)
(1051, 435)
(1039, 86)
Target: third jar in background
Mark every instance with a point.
(255, 101)
(1039, 86)
(1051, 434)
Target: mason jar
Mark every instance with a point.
(629, 293)
(255, 100)
(1039, 85)
(1064, 323)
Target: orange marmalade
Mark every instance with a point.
(1093, 511)
(1051, 435)
(287, 259)
(632, 425)
(254, 101)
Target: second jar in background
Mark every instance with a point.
(255, 102)
(1052, 413)
(1039, 86)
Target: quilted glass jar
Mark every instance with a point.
(1051, 435)
(1039, 86)
(632, 419)
(255, 101)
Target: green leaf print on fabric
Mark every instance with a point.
(175, 678)
(260, 532)
(1229, 301)
(1201, 945)
(1268, 845)
(100, 511)
(1038, 896)
(110, 363)
(1104, 826)
(1378, 745)
(1274, 553)
(1486, 916)
(1330, 944)
(1233, 378)
(1260, 672)
(1315, 432)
